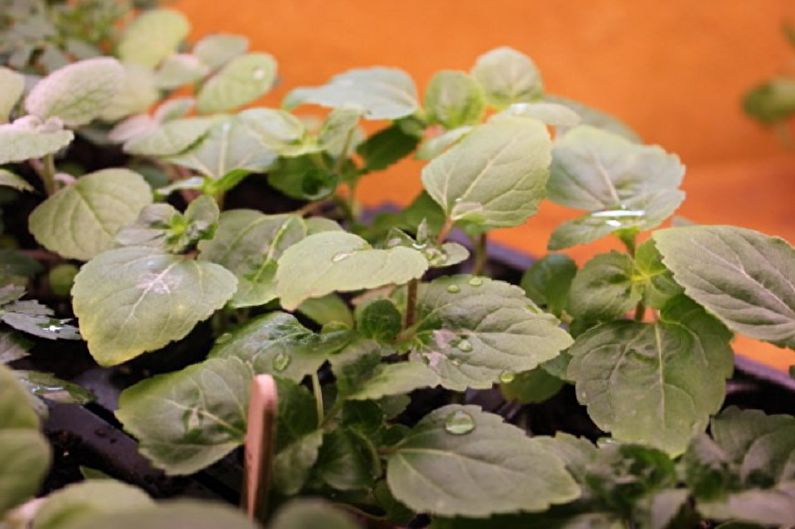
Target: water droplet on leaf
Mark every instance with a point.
(476, 282)
(506, 377)
(459, 423)
(259, 74)
(340, 257)
(453, 289)
(464, 345)
(281, 361)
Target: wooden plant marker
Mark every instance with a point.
(260, 441)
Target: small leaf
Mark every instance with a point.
(9, 179)
(328, 309)
(132, 300)
(507, 76)
(32, 317)
(388, 380)
(657, 281)
(771, 101)
(341, 262)
(78, 92)
(53, 389)
(548, 113)
(171, 138)
(12, 347)
(495, 177)
(220, 48)
(312, 514)
(195, 514)
(347, 460)
(241, 81)
(604, 289)
(28, 138)
(774, 506)
(381, 93)
(531, 386)
(596, 118)
(433, 146)
(278, 130)
(81, 220)
(471, 330)
(453, 99)
(386, 147)
(380, 320)
(187, 420)
(12, 85)
(491, 468)
(178, 70)
(153, 36)
(15, 413)
(743, 277)
(339, 134)
(548, 280)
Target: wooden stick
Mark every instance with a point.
(260, 441)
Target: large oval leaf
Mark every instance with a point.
(471, 330)
(239, 82)
(78, 92)
(341, 262)
(218, 49)
(507, 76)
(132, 300)
(153, 36)
(171, 138)
(461, 461)
(453, 99)
(496, 176)
(745, 278)
(81, 220)
(27, 138)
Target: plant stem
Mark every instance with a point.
(411, 304)
(48, 174)
(318, 391)
(630, 242)
(445, 231)
(640, 311)
(481, 255)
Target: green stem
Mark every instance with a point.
(411, 304)
(48, 174)
(481, 255)
(318, 391)
(640, 311)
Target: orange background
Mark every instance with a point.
(674, 71)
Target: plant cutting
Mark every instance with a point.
(222, 241)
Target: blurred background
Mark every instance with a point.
(675, 71)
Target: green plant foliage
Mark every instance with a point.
(242, 80)
(152, 37)
(507, 76)
(453, 99)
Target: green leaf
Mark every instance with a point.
(12, 347)
(330, 308)
(240, 81)
(28, 138)
(379, 319)
(161, 226)
(495, 177)
(187, 420)
(249, 243)
(339, 133)
(386, 147)
(136, 299)
(52, 388)
(656, 280)
(531, 386)
(507, 76)
(741, 276)
(230, 144)
(347, 460)
(32, 317)
(179, 70)
(771, 101)
(171, 138)
(624, 185)
(596, 118)
(381, 93)
(603, 289)
(774, 506)
(434, 146)
(14, 263)
(83, 501)
(471, 330)
(277, 343)
(278, 130)
(311, 514)
(220, 48)
(9, 179)
(153, 36)
(15, 414)
(548, 280)
(461, 461)
(196, 514)
(138, 91)
(303, 178)
(548, 113)
(12, 85)
(81, 220)
(453, 99)
(341, 262)
(78, 92)
(292, 465)
(654, 383)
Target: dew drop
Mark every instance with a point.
(613, 223)
(464, 345)
(459, 423)
(476, 282)
(456, 362)
(281, 361)
(225, 337)
(259, 74)
(506, 377)
(340, 257)
(453, 289)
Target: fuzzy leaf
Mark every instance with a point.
(471, 330)
(187, 420)
(153, 36)
(132, 300)
(312, 514)
(495, 177)
(81, 220)
(278, 130)
(453, 99)
(603, 289)
(178, 70)
(220, 48)
(28, 138)
(138, 91)
(341, 262)
(9, 179)
(745, 278)
(386, 147)
(507, 76)
(596, 118)
(432, 147)
(548, 113)
(381, 93)
(548, 280)
(239, 82)
(196, 514)
(12, 85)
(491, 468)
(171, 138)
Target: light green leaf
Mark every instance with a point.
(153, 36)
(187, 420)
(381, 93)
(495, 177)
(395, 379)
(240, 81)
(604, 289)
(298, 438)
(249, 243)
(171, 138)
(471, 330)
(12, 347)
(330, 308)
(196, 514)
(278, 130)
(312, 514)
(548, 113)
(507, 76)
(32, 317)
(52, 388)
(230, 144)
(180, 69)
(83, 501)
(137, 93)
(277, 343)
(12, 85)
(81, 220)
(743, 277)
(774, 506)
(348, 460)
(292, 465)
(650, 272)
(548, 280)
(453, 99)
(9, 179)
(654, 383)
(432, 147)
(220, 48)
(15, 414)
(461, 461)
(28, 138)
(379, 319)
(596, 118)
(78, 92)
(135, 299)
(341, 262)
(339, 134)
(386, 147)
(531, 386)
